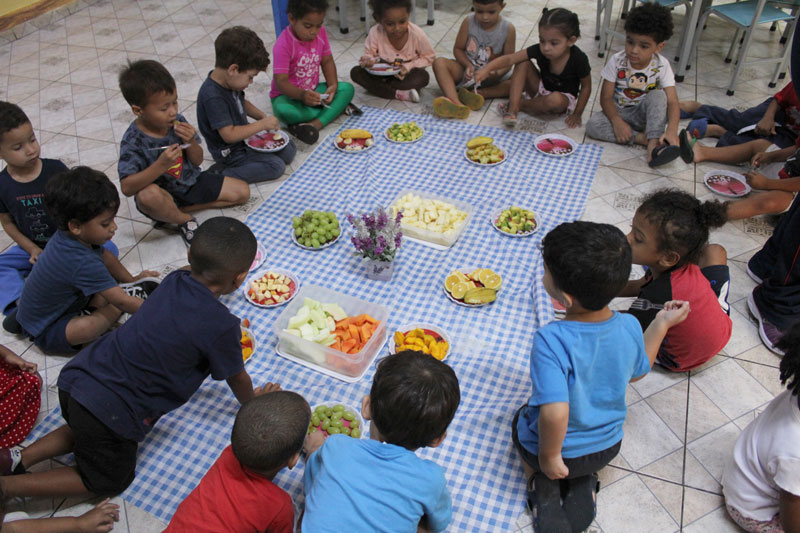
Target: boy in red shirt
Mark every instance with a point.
(237, 493)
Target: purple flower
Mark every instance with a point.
(398, 217)
(382, 219)
(398, 238)
(351, 219)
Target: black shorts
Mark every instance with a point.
(105, 461)
(578, 466)
(205, 190)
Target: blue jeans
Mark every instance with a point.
(14, 268)
(253, 166)
(734, 120)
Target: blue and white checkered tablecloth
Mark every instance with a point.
(491, 344)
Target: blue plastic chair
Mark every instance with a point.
(279, 16)
(602, 23)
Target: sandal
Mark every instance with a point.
(581, 491)
(353, 109)
(11, 462)
(663, 154)
(697, 127)
(509, 119)
(687, 146)
(446, 108)
(188, 229)
(471, 99)
(304, 132)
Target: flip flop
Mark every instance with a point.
(686, 146)
(698, 127)
(471, 99)
(663, 154)
(305, 132)
(446, 108)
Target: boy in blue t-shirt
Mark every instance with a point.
(72, 295)
(379, 484)
(580, 366)
(114, 391)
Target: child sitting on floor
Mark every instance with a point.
(563, 81)
(580, 366)
(21, 387)
(160, 154)
(114, 391)
(669, 235)
(298, 97)
(100, 519)
(396, 41)
(379, 484)
(638, 94)
(483, 36)
(761, 479)
(222, 109)
(237, 493)
(776, 119)
(72, 295)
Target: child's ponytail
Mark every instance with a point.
(565, 20)
(713, 214)
(790, 364)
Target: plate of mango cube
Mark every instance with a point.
(424, 338)
(474, 287)
(482, 151)
(248, 341)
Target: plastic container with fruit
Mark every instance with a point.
(335, 363)
(443, 230)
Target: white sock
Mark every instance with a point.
(16, 457)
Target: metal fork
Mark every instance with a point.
(640, 304)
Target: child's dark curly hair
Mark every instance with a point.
(11, 117)
(141, 79)
(650, 18)
(790, 364)
(79, 194)
(298, 9)
(379, 7)
(563, 19)
(682, 221)
(241, 46)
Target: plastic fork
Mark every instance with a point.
(640, 304)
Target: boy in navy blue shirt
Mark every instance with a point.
(114, 391)
(222, 109)
(379, 484)
(580, 366)
(72, 295)
(160, 154)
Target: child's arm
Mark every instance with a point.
(766, 126)
(789, 511)
(18, 237)
(553, 419)
(328, 66)
(134, 183)
(760, 181)
(674, 312)
(120, 273)
(500, 63)
(187, 134)
(460, 49)
(763, 158)
(622, 130)
(673, 117)
(309, 98)
(14, 360)
(425, 52)
(234, 134)
(576, 118)
(100, 519)
(242, 387)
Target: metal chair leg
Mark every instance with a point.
(734, 42)
(748, 37)
(343, 17)
(598, 20)
(430, 13)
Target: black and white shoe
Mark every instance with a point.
(141, 288)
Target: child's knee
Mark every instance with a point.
(657, 97)
(714, 254)
(150, 197)
(555, 102)
(774, 203)
(241, 191)
(346, 89)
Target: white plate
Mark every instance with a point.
(269, 150)
(258, 275)
(732, 177)
(336, 145)
(391, 71)
(322, 247)
(496, 215)
(386, 136)
(408, 327)
(362, 423)
(505, 158)
(462, 303)
(556, 137)
(258, 260)
(253, 339)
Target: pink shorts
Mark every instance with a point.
(755, 526)
(571, 99)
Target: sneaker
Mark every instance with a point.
(11, 462)
(753, 275)
(187, 230)
(141, 288)
(471, 99)
(10, 323)
(770, 333)
(410, 95)
(445, 108)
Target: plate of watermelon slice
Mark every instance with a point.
(727, 183)
(268, 141)
(555, 145)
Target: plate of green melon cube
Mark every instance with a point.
(407, 132)
(515, 221)
(315, 230)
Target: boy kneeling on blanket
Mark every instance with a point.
(114, 391)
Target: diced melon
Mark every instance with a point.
(335, 311)
(308, 332)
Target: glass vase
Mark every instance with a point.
(380, 270)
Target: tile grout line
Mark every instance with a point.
(685, 447)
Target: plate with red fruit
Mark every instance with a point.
(727, 183)
(270, 288)
(383, 69)
(247, 342)
(354, 140)
(554, 144)
(268, 141)
(258, 260)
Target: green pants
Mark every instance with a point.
(293, 111)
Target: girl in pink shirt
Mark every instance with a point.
(399, 49)
(298, 97)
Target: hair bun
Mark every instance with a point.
(713, 214)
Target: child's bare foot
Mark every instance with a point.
(446, 108)
(471, 99)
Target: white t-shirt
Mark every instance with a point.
(766, 459)
(631, 84)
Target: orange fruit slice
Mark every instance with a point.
(460, 289)
(493, 281)
(451, 280)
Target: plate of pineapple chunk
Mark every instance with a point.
(473, 287)
(424, 338)
(482, 151)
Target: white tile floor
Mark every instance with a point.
(63, 72)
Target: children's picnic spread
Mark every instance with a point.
(488, 343)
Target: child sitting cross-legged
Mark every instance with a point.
(222, 109)
(379, 484)
(298, 97)
(160, 154)
(115, 390)
(73, 294)
(638, 94)
(237, 493)
(580, 366)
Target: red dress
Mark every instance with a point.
(20, 399)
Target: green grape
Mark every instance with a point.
(349, 416)
(326, 424)
(354, 423)
(315, 420)
(334, 431)
(355, 433)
